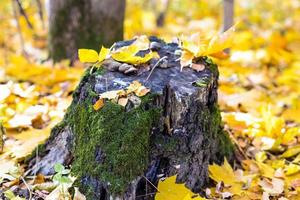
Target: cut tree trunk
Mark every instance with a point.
(120, 153)
(75, 24)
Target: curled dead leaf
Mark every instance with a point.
(123, 101)
(198, 67)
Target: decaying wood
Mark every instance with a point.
(186, 137)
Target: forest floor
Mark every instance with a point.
(259, 95)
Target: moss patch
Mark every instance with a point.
(203, 82)
(111, 144)
(212, 66)
(225, 146)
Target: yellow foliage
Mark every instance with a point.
(198, 45)
(91, 56)
(88, 55)
(168, 189)
(225, 174)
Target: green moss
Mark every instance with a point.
(167, 144)
(225, 146)
(212, 66)
(203, 82)
(123, 138)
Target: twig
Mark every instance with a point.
(27, 186)
(156, 64)
(36, 159)
(15, 11)
(237, 144)
(145, 195)
(150, 183)
(41, 13)
(23, 13)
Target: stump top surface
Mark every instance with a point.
(180, 81)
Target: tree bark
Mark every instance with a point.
(115, 152)
(75, 24)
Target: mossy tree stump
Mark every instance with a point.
(116, 151)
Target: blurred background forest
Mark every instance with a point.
(259, 92)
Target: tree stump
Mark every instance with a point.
(121, 152)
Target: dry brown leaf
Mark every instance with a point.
(142, 91)
(274, 187)
(123, 101)
(110, 94)
(78, 195)
(40, 178)
(198, 67)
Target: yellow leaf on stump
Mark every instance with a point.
(99, 104)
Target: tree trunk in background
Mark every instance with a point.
(78, 24)
(228, 14)
(160, 20)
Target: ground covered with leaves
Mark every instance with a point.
(259, 95)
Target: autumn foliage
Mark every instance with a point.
(258, 93)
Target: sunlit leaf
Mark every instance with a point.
(168, 189)
(103, 54)
(291, 152)
(88, 55)
(98, 104)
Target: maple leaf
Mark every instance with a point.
(225, 174)
(169, 189)
(198, 46)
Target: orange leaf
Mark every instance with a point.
(99, 104)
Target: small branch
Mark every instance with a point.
(16, 16)
(156, 64)
(145, 195)
(36, 159)
(237, 144)
(150, 183)
(41, 13)
(27, 186)
(23, 13)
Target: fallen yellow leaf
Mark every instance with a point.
(88, 55)
(169, 190)
(110, 94)
(99, 104)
